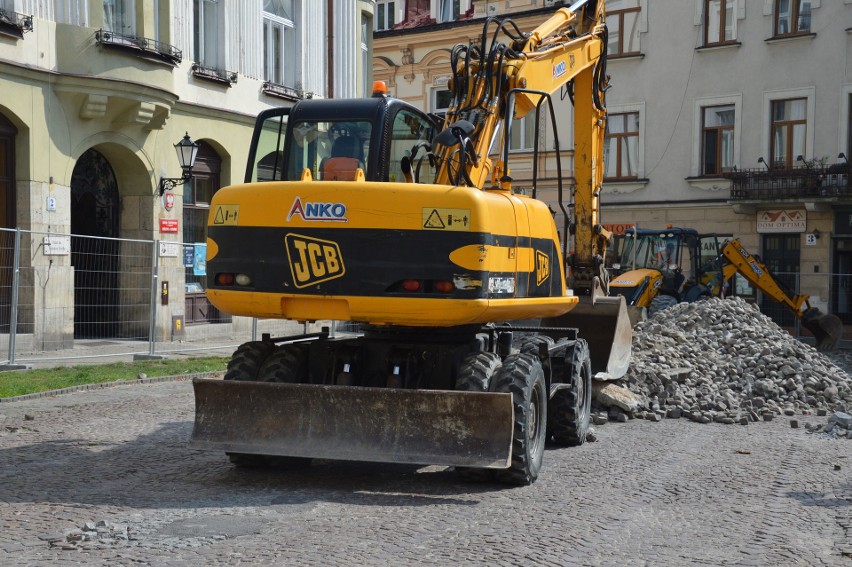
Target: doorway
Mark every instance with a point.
(781, 255)
(94, 254)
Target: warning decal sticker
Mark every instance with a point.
(446, 219)
(226, 214)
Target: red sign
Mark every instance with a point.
(169, 200)
(168, 225)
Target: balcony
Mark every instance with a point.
(815, 185)
(142, 47)
(13, 24)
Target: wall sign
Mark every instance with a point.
(169, 225)
(781, 220)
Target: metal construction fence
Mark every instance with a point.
(67, 297)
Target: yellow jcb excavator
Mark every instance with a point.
(370, 211)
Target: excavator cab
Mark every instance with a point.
(382, 137)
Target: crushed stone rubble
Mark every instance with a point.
(91, 535)
(723, 361)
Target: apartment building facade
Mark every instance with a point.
(727, 116)
(94, 95)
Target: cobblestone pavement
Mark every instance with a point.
(668, 493)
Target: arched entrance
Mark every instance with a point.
(8, 133)
(94, 220)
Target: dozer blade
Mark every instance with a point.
(388, 425)
(826, 328)
(604, 323)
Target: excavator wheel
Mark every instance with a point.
(826, 328)
(284, 364)
(247, 360)
(476, 373)
(661, 303)
(287, 365)
(570, 408)
(532, 343)
(523, 377)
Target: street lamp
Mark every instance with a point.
(187, 151)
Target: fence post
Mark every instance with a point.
(155, 278)
(13, 312)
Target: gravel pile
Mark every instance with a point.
(724, 361)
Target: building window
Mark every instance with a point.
(385, 17)
(441, 99)
(120, 16)
(792, 17)
(279, 42)
(206, 19)
(366, 87)
(450, 10)
(788, 131)
(717, 139)
(523, 133)
(621, 146)
(622, 19)
(719, 21)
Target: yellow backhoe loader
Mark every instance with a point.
(371, 211)
(655, 269)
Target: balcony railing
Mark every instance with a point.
(281, 91)
(141, 46)
(15, 24)
(804, 183)
(220, 76)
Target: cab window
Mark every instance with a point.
(410, 138)
(332, 151)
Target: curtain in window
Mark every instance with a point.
(119, 16)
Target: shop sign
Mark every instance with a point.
(618, 228)
(781, 220)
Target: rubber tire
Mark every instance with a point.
(288, 364)
(531, 343)
(661, 303)
(522, 376)
(570, 408)
(244, 366)
(247, 360)
(284, 364)
(476, 373)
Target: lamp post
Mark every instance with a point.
(187, 151)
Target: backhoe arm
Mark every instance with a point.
(566, 51)
(752, 269)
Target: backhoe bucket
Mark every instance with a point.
(388, 425)
(826, 328)
(604, 323)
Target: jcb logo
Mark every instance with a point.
(312, 260)
(542, 267)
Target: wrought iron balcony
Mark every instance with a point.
(15, 24)
(221, 76)
(803, 183)
(281, 91)
(141, 46)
